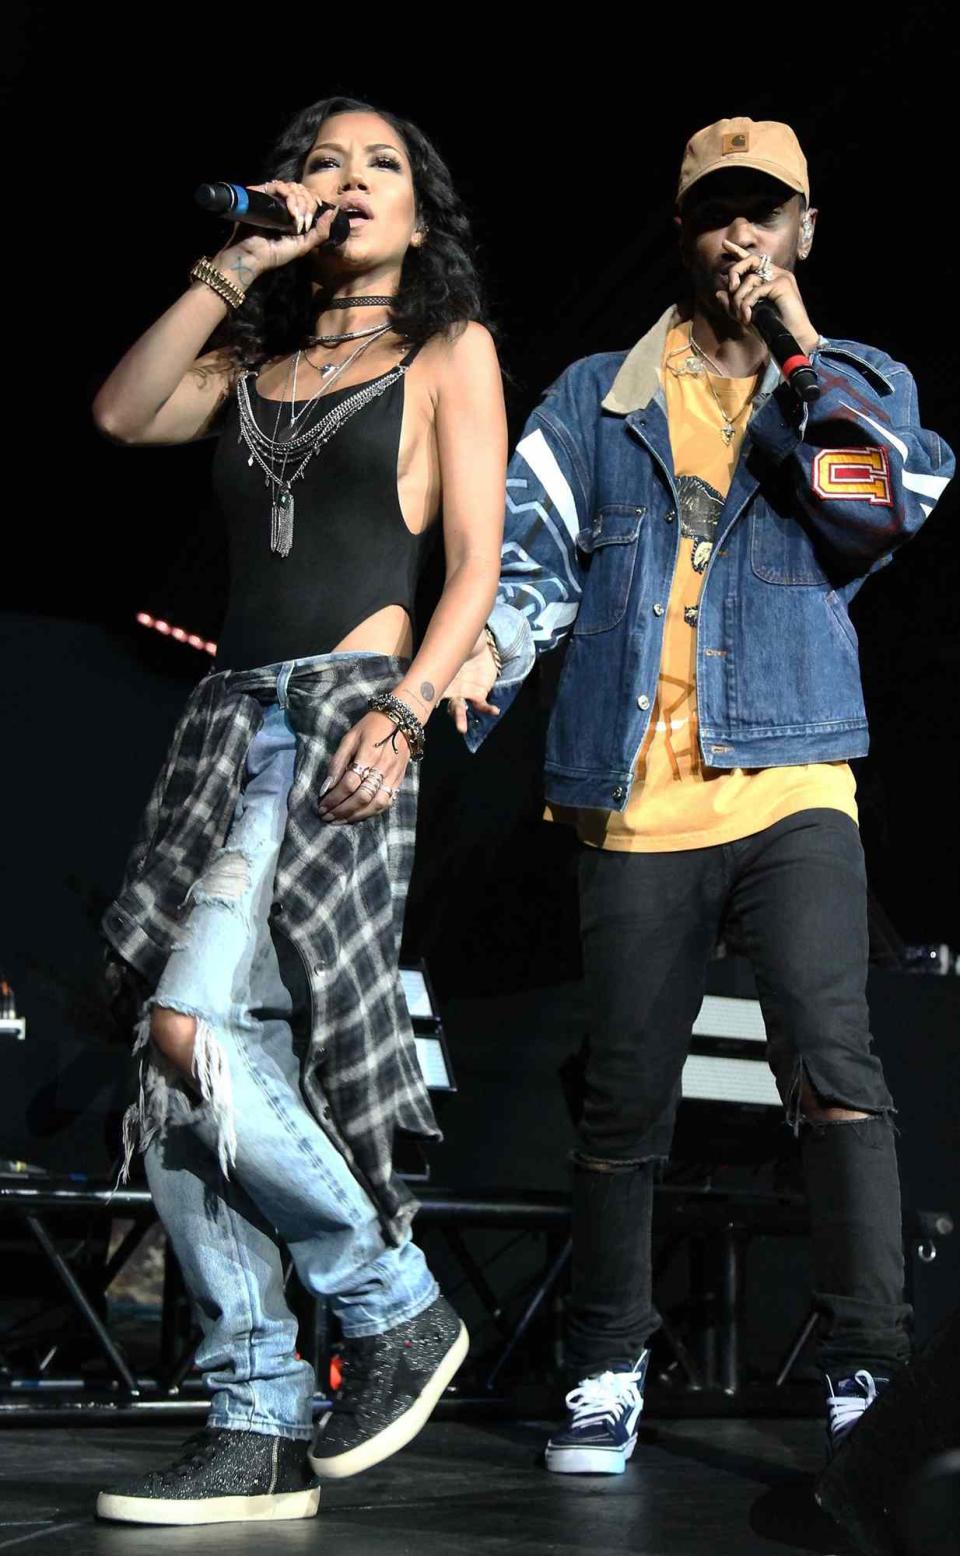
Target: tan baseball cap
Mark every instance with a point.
(758, 143)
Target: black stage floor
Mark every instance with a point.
(694, 1488)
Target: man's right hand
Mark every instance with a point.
(472, 684)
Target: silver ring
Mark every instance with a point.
(355, 767)
(764, 269)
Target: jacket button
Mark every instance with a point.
(658, 609)
(643, 702)
(618, 792)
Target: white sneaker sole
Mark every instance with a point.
(209, 1510)
(589, 1461)
(404, 1429)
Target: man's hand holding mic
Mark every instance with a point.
(753, 276)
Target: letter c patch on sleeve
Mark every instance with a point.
(853, 475)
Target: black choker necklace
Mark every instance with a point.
(359, 302)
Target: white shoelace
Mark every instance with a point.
(846, 1410)
(604, 1398)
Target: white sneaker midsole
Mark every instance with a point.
(589, 1461)
(209, 1510)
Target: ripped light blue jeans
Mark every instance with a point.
(239, 1165)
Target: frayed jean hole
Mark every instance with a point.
(174, 1050)
(227, 876)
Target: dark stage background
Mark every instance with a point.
(565, 137)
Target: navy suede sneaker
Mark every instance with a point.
(847, 1399)
(601, 1429)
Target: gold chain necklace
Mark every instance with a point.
(729, 430)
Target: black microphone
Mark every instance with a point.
(256, 209)
(794, 364)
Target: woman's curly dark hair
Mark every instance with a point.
(439, 287)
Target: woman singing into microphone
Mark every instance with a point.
(354, 394)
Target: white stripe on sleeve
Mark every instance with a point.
(927, 485)
(542, 461)
(552, 619)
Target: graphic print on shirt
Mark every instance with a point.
(700, 505)
(674, 723)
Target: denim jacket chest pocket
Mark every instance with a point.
(781, 551)
(607, 551)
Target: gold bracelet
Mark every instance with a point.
(491, 640)
(204, 270)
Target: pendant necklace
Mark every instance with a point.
(728, 431)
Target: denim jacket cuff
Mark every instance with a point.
(515, 642)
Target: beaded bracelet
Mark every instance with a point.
(407, 723)
(204, 270)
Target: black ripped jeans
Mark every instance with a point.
(649, 923)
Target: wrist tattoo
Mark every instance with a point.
(244, 271)
(428, 690)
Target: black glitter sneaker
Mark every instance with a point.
(391, 1385)
(220, 1477)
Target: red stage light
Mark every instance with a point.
(144, 619)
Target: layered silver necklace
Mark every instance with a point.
(301, 436)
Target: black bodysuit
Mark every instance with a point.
(352, 551)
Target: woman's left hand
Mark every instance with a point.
(347, 793)
(745, 286)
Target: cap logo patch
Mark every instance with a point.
(738, 142)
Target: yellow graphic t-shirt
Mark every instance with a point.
(676, 801)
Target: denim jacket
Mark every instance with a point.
(821, 496)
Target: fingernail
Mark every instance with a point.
(326, 786)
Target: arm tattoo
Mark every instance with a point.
(427, 690)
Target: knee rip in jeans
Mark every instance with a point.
(803, 1091)
(161, 1088)
(224, 881)
(598, 1164)
(862, 1123)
